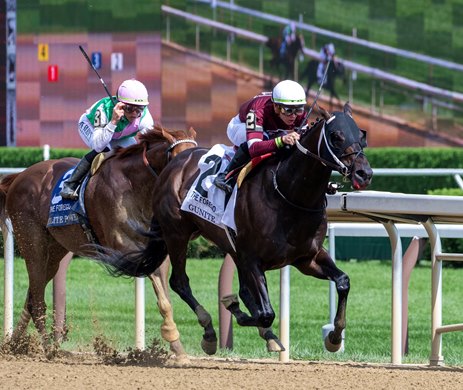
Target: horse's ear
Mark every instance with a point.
(168, 136)
(192, 133)
(324, 113)
(348, 109)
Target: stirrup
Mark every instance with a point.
(67, 194)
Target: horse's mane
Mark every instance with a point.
(153, 136)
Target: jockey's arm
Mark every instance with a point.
(103, 134)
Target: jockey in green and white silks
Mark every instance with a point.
(108, 123)
(98, 133)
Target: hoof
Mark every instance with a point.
(274, 345)
(331, 347)
(178, 361)
(229, 300)
(210, 347)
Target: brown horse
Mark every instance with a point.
(286, 59)
(120, 191)
(280, 217)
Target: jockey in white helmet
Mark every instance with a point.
(110, 122)
(263, 125)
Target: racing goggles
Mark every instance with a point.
(289, 110)
(137, 109)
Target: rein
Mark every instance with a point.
(168, 152)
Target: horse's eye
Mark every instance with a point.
(336, 138)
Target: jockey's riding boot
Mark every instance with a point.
(240, 158)
(70, 185)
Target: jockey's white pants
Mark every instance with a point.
(236, 131)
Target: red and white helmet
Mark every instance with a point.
(133, 92)
(289, 93)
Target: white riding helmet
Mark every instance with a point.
(330, 49)
(289, 93)
(133, 92)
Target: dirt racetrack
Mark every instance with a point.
(79, 371)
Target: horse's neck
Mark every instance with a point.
(304, 177)
(157, 156)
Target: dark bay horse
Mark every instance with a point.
(335, 70)
(281, 220)
(288, 59)
(119, 192)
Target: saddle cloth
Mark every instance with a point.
(207, 201)
(204, 199)
(63, 212)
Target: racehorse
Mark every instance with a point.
(335, 69)
(119, 191)
(280, 217)
(289, 57)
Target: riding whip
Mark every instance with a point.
(306, 118)
(93, 67)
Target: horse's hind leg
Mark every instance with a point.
(180, 283)
(169, 331)
(42, 259)
(323, 267)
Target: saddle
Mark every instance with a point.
(243, 172)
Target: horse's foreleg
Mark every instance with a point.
(169, 331)
(20, 328)
(273, 343)
(334, 340)
(323, 267)
(232, 304)
(257, 302)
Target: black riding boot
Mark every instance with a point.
(240, 158)
(70, 185)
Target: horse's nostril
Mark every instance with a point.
(365, 176)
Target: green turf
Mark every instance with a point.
(100, 305)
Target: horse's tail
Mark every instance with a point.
(139, 263)
(5, 184)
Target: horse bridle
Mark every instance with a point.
(338, 165)
(168, 152)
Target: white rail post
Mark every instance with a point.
(436, 294)
(284, 311)
(7, 231)
(140, 313)
(396, 326)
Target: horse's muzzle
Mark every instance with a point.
(361, 177)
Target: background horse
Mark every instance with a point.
(120, 191)
(280, 216)
(288, 59)
(335, 70)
